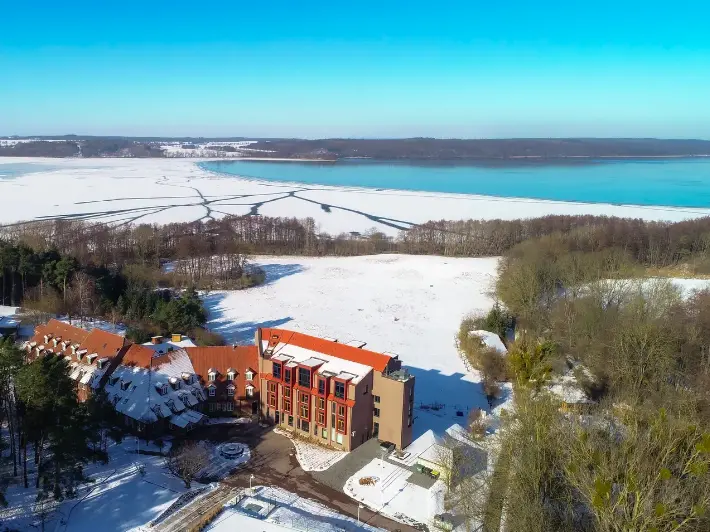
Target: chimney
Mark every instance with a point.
(156, 340)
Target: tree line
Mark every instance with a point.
(635, 454)
(653, 244)
(51, 436)
(52, 283)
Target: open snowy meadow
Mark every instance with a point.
(407, 305)
(177, 190)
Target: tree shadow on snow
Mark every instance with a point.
(241, 332)
(274, 272)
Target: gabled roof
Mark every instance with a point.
(138, 356)
(222, 358)
(59, 328)
(377, 361)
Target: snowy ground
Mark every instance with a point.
(408, 305)
(121, 498)
(169, 190)
(393, 496)
(312, 457)
(274, 509)
(219, 465)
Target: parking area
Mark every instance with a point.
(273, 463)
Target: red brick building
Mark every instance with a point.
(337, 394)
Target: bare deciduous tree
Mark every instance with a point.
(187, 461)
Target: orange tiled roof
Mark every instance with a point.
(59, 328)
(221, 358)
(138, 355)
(103, 343)
(375, 360)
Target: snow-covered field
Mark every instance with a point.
(313, 457)
(169, 190)
(274, 509)
(121, 498)
(408, 305)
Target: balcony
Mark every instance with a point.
(401, 375)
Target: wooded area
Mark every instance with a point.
(447, 151)
(634, 452)
(652, 244)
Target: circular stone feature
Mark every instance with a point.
(232, 450)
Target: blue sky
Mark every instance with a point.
(360, 69)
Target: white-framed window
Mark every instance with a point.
(230, 406)
(211, 376)
(250, 375)
(250, 391)
(230, 376)
(230, 391)
(211, 391)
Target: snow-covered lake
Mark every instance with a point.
(173, 190)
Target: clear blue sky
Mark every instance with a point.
(389, 68)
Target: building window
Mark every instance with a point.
(365, 392)
(321, 418)
(304, 377)
(249, 375)
(339, 438)
(377, 412)
(376, 430)
(287, 400)
(304, 425)
(321, 403)
(211, 390)
(340, 423)
(321, 386)
(290, 421)
(324, 433)
(376, 398)
(230, 391)
(340, 390)
(230, 376)
(273, 389)
(230, 406)
(250, 391)
(287, 375)
(277, 370)
(211, 376)
(304, 410)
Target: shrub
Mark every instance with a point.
(203, 337)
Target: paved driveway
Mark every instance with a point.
(273, 462)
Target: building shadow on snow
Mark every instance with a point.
(442, 400)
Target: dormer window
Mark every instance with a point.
(90, 359)
(125, 385)
(212, 375)
(211, 390)
(250, 390)
(230, 390)
(46, 338)
(112, 380)
(187, 377)
(304, 377)
(174, 382)
(250, 374)
(165, 389)
(100, 363)
(231, 374)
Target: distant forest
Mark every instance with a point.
(415, 149)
